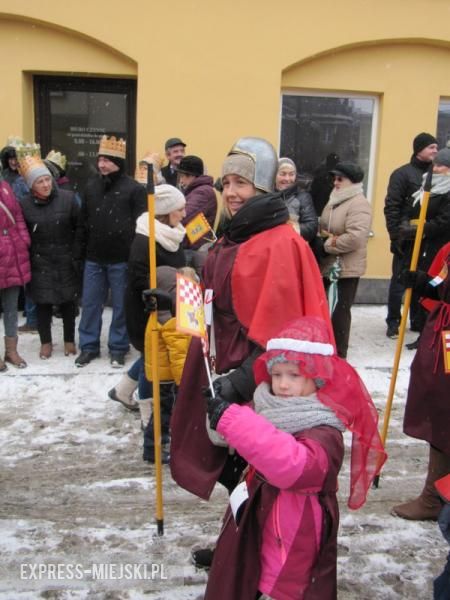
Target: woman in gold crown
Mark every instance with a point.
(52, 217)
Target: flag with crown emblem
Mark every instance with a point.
(190, 314)
(197, 228)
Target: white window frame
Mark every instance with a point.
(352, 96)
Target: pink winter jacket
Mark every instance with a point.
(14, 242)
(296, 468)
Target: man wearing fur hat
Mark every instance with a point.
(403, 182)
(111, 204)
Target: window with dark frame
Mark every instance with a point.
(72, 113)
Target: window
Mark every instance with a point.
(443, 126)
(72, 113)
(315, 126)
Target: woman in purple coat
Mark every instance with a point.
(14, 269)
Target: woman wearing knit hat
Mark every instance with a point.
(169, 233)
(436, 231)
(260, 273)
(279, 536)
(299, 202)
(52, 217)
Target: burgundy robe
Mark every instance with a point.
(427, 412)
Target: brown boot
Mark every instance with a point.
(46, 351)
(427, 506)
(69, 348)
(11, 354)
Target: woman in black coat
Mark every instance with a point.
(52, 218)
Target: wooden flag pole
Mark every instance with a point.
(406, 305)
(151, 342)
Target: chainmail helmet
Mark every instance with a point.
(261, 158)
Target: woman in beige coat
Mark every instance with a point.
(344, 227)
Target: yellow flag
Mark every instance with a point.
(190, 311)
(197, 228)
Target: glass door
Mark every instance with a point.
(72, 113)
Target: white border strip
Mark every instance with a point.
(300, 346)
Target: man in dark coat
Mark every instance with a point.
(111, 204)
(175, 150)
(403, 182)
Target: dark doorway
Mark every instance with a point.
(72, 113)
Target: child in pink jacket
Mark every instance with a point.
(279, 537)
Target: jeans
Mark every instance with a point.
(135, 369)
(97, 279)
(137, 372)
(396, 291)
(9, 297)
(30, 312)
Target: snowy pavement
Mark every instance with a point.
(77, 509)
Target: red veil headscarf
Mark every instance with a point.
(307, 342)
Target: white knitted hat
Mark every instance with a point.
(167, 199)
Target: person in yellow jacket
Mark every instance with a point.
(172, 350)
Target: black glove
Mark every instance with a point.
(156, 299)
(215, 406)
(417, 280)
(407, 231)
(397, 248)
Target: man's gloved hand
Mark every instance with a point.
(396, 247)
(156, 299)
(407, 231)
(225, 395)
(414, 279)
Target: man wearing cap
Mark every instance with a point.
(403, 182)
(198, 190)
(175, 150)
(111, 204)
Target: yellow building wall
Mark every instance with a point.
(210, 71)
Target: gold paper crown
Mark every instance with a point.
(112, 147)
(57, 159)
(32, 167)
(28, 150)
(14, 140)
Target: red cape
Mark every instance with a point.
(274, 278)
(272, 286)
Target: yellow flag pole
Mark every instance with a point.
(151, 342)
(406, 305)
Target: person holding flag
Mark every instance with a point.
(427, 411)
(260, 274)
(169, 234)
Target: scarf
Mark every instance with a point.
(168, 237)
(256, 215)
(295, 413)
(339, 196)
(440, 184)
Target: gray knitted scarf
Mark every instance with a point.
(295, 413)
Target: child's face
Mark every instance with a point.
(288, 381)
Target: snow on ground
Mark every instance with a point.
(77, 510)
